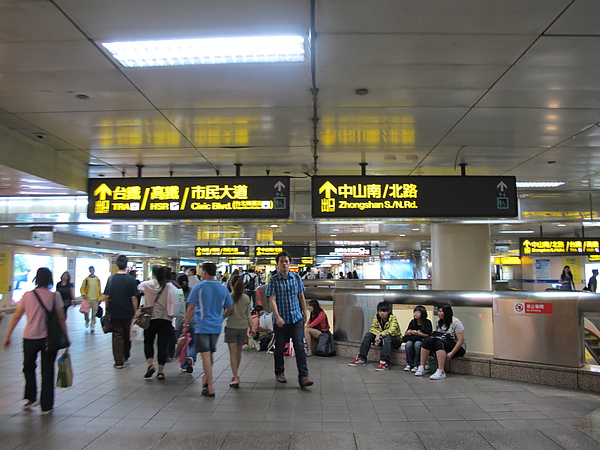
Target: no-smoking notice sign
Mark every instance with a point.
(533, 308)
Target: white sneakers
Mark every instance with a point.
(407, 368)
(438, 375)
(420, 371)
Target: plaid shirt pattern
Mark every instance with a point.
(285, 291)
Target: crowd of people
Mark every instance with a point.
(211, 299)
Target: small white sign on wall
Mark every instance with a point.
(542, 269)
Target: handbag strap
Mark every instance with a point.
(42, 304)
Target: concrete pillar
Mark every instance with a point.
(460, 257)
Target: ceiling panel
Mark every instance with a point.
(438, 16)
(501, 86)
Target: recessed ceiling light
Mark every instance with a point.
(274, 226)
(539, 184)
(82, 96)
(416, 229)
(333, 235)
(361, 91)
(401, 235)
(517, 232)
(186, 52)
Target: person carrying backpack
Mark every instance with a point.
(251, 282)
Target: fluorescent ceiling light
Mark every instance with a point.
(591, 224)
(539, 184)
(190, 52)
(517, 232)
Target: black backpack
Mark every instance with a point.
(251, 283)
(326, 345)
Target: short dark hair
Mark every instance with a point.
(282, 254)
(193, 270)
(210, 268)
(122, 262)
(43, 278)
(383, 306)
(91, 267)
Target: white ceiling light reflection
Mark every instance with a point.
(186, 52)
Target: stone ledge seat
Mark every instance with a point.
(584, 378)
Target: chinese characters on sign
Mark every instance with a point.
(559, 246)
(417, 196)
(533, 308)
(181, 198)
(222, 251)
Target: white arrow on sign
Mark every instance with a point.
(279, 186)
(502, 186)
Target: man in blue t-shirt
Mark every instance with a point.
(209, 303)
(285, 292)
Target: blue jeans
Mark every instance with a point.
(294, 331)
(413, 352)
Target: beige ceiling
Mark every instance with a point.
(508, 87)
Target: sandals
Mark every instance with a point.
(205, 393)
(234, 385)
(160, 376)
(149, 372)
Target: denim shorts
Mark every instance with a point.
(206, 343)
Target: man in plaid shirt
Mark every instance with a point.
(285, 292)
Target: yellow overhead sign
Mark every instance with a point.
(559, 246)
(222, 251)
(415, 196)
(183, 198)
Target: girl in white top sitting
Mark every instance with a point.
(448, 341)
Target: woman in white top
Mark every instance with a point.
(447, 342)
(156, 293)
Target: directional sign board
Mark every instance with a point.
(189, 198)
(532, 247)
(415, 196)
(209, 250)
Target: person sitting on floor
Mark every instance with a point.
(317, 324)
(385, 332)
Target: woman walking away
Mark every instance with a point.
(66, 289)
(238, 327)
(155, 293)
(317, 324)
(418, 329)
(34, 338)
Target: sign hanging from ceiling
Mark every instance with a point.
(323, 250)
(222, 251)
(295, 251)
(189, 198)
(414, 196)
(529, 247)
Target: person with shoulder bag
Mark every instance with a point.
(418, 329)
(156, 294)
(446, 342)
(41, 306)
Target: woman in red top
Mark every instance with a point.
(317, 324)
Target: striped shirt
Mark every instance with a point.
(285, 291)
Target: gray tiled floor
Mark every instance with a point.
(348, 408)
